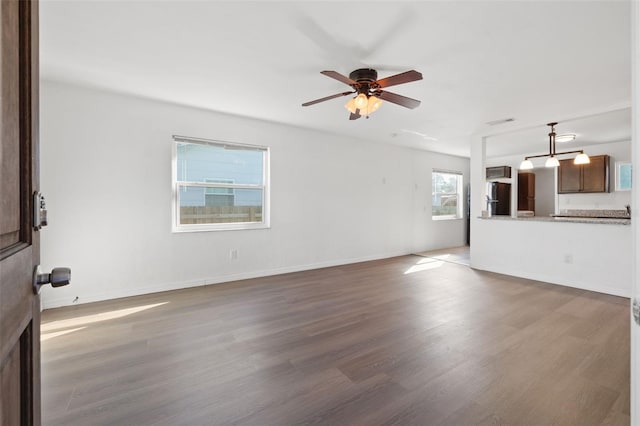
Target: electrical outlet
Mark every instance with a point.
(568, 258)
(233, 254)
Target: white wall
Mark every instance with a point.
(619, 151)
(106, 176)
(589, 256)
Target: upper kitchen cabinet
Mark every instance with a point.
(592, 177)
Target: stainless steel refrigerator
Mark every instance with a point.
(499, 198)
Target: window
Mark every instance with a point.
(219, 185)
(219, 196)
(446, 195)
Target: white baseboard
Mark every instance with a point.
(50, 301)
(599, 288)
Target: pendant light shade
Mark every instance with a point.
(374, 104)
(552, 162)
(361, 102)
(582, 158)
(351, 105)
(526, 165)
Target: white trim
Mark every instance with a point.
(220, 185)
(132, 290)
(552, 280)
(635, 205)
(214, 142)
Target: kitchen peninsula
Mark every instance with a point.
(588, 253)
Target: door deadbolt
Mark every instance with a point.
(39, 211)
(58, 277)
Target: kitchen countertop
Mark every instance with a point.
(572, 219)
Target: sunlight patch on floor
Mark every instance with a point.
(90, 319)
(445, 256)
(427, 264)
(46, 336)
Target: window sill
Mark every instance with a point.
(446, 218)
(218, 227)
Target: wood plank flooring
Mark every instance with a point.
(402, 341)
(459, 255)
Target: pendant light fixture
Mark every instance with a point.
(552, 161)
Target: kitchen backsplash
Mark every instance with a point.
(603, 201)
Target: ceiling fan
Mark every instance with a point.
(365, 83)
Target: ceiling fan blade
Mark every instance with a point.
(342, 51)
(332, 49)
(355, 116)
(339, 77)
(327, 98)
(398, 99)
(402, 78)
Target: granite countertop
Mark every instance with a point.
(597, 214)
(609, 217)
(572, 219)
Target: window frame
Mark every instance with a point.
(176, 186)
(459, 192)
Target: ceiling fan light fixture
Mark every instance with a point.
(364, 104)
(361, 102)
(370, 91)
(351, 105)
(582, 158)
(373, 104)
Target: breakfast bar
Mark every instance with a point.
(591, 253)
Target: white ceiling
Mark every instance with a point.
(535, 61)
(602, 128)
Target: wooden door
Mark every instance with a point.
(19, 242)
(526, 191)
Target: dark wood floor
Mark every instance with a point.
(408, 340)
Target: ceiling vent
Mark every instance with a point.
(497, 122)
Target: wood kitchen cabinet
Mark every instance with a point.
(592, 177)
(527, 191)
